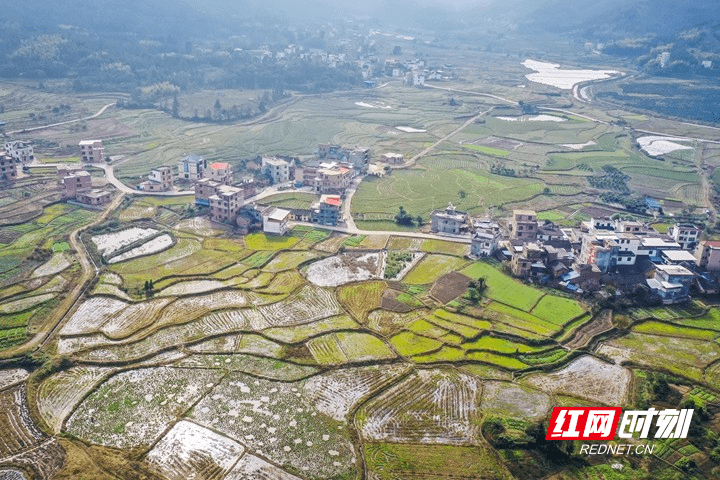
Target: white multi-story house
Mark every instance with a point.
(192, 167)
(686, 234)
(486, 238)
(277, 168)
(159, 180)
(20, 151)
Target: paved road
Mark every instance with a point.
(25, 130)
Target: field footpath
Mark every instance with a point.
(357, 231)
(61, 313)
(43, 127)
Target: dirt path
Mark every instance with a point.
(60, 314)
(43, 127)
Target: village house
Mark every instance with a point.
(224, 201)
(328, 211)
(485, 238)
(159, 180)
(359, 158)
(192, 167)
(686, 234)
(707, 255)
(277, 169)
(524, 225)
(94, 197)
(671, 283)
(275, 221)
(92, 151)
(22, 152)
(8, 169)
(449, 220)
(219, 172)
(77, 182)
(330, 178)
(392, 158)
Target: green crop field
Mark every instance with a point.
(557, 310)
(262, 241)
(502, 288)
(431, 267)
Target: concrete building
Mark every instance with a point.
(486, 238)
(94, 197)
(328, 211)
(224, 201)
(671, 283)
(330, 151)
(449, 220)
(528, 261)
(8, 169)
(524, 225)
(277, 168)
(686, 234)
(192, 167)
(159, 180)
(77, 182)
(392, 158)
(329, 178)
(92, 151)
(359, 158)
(22, 152)
(220, 172)
(275, 221)
(707, 255)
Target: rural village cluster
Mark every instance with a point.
(630, 254)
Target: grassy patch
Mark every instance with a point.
(354, 241)
(557, 310)
(659, 328)
(487, 150)
(499, 360)
(502, 288)
(362, 346)
(261, 241)
(409, 344)
(431, 267)
(448, 248)
(390, 461)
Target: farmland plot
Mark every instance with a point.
(301, 332)
(191, 287)
(256, 366)
(213, 324)
(276, 421)
(512, 400)
(58, 394)
(156, 245)
(19, 432)
(188, 308)
(335, 393)
(304, 306)
(91, 315)
(251, 467)
(25, 303)
(588, 378)
(190, 451)
(55, 265)
(431, 406)
(133, 408)
(345, 268)
(109, 243)
(12, 376)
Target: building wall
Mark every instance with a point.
(8, 169)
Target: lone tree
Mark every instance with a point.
(403, 218)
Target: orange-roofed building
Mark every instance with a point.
(328, 211)
(220, 172)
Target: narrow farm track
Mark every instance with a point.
(60, 314)
(43, 127)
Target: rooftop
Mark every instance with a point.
(659, 242)
(278, 214)
(713, 244)
(88, 142)
(679, 256)
(674, 270)
(219, 166)
(331, 200)
(524, 212)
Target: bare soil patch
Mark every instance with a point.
(449, 287)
